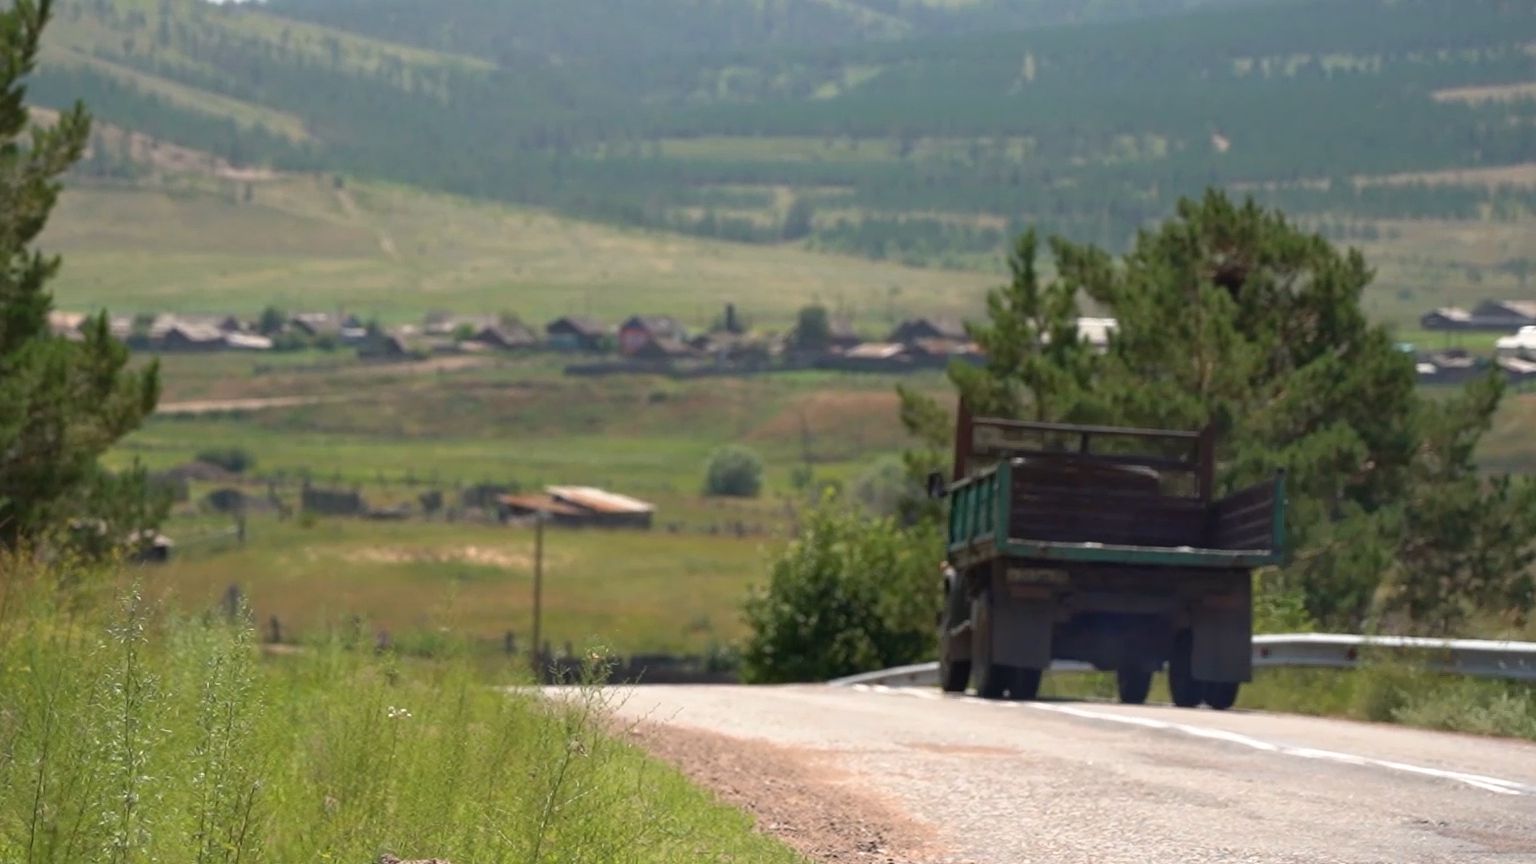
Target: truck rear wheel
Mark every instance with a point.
(1132, 684)
(954, 672)
(1024, 684)
(997, 681)
(1221, 695)
(1182, 686)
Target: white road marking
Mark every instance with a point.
(1477, 781)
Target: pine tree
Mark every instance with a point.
(62, 403)
(1231, 316)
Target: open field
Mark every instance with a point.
(395, 253)
(522, 421)
(631, 591)
(435, 426)
(677, 588)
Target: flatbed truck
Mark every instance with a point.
(1103, 545)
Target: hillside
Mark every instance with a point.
(613, 32)
(204, 241)
(916, 131)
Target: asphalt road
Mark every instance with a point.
(1003, 782)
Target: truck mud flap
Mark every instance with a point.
(1021, 633)
(1222, 629)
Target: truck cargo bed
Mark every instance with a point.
(1067, 509)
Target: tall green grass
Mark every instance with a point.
(130, 736)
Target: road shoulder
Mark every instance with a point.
(795, 795)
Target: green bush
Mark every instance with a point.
(237, 460)
(735, 472)
(851, 594)
(884, 486)
(130, 738)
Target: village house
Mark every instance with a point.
(510, 336)
(840, 334)
(68, 325)
(910, 331)
(314, 324)
(389, 346)
(1517, 370)
(579, 506)
(1501, 315)
(446, 324)
(1508, 314)
(576, 333)
(1454, 366)
(1522, 343)
(939, 352)
(870, 357)
(650, 333)
(1096, 331)
(185, 337)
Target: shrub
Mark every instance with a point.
(851, 594)
(734, 472)
(884, 486)
(234, 459)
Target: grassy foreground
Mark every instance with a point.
(127, 736)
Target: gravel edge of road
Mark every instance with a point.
(795, 795)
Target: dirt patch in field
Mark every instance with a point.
(834, 420)
(222, 406)
(480, 556)
(1522, 174)
(1490, 93)
(794, 795)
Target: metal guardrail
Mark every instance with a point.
(1513, 661)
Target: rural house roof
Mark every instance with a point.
(580, 325)
(663, 347)
(1451, 313)
(657, 325)
(599, 500)
(540, 504)
(876, 351)
(1525, 340)
(197, 333)
(929, 328)
(247, 342)
(1507, 309)
(514, 335)
(65, 323)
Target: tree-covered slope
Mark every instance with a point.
(899, 130)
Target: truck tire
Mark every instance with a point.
(997, 681)
(1182, 686)
(1221, 695)
(1024, 684)
(1132, 684)
(954, 674)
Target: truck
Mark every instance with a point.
(1103, 545)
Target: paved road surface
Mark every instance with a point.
(1002, 783)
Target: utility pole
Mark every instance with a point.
(538, 594)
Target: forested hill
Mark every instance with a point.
(616, 32)
(915, 129)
